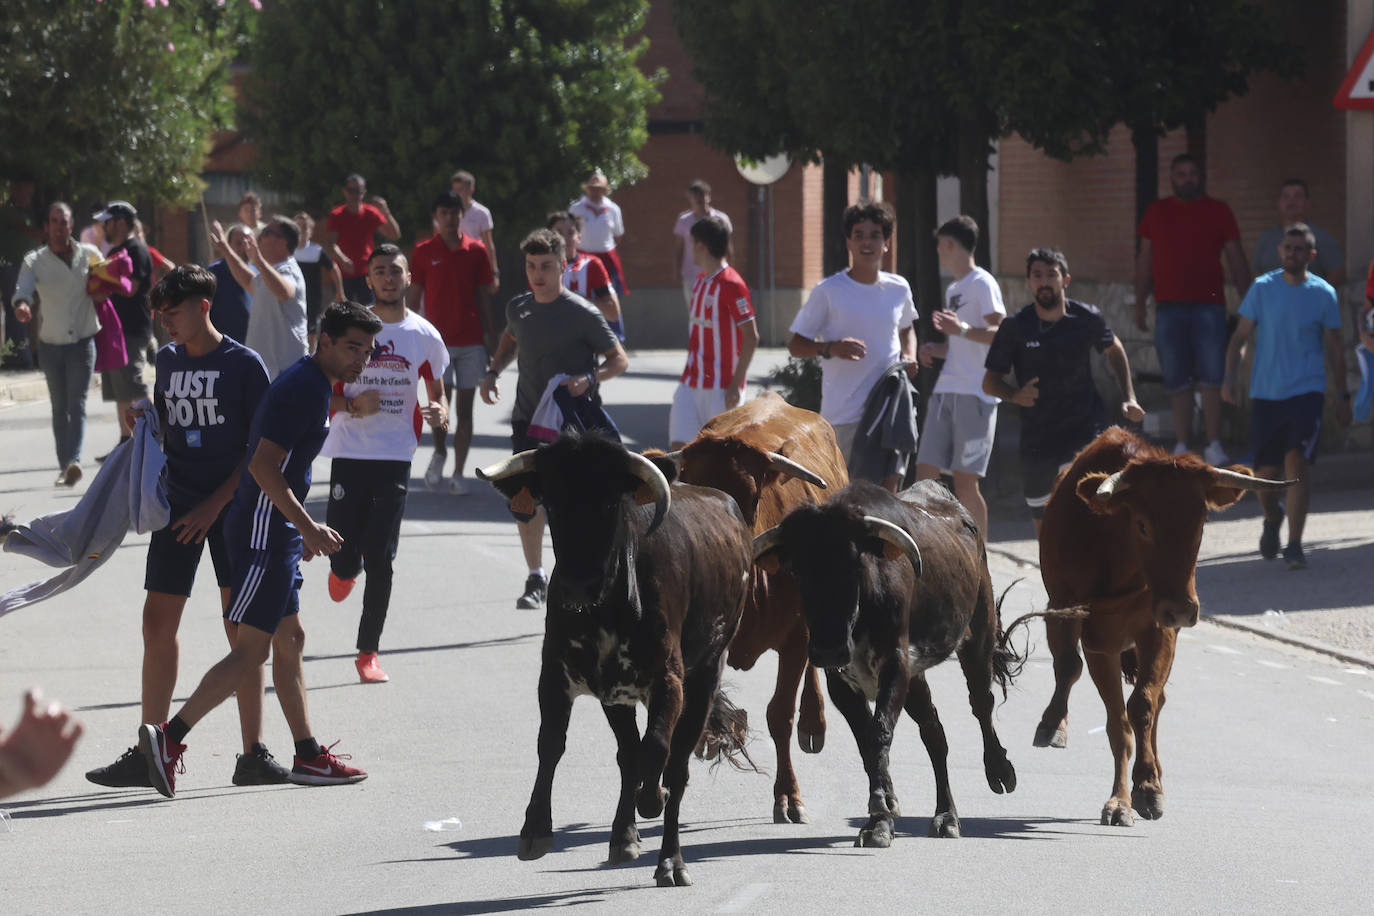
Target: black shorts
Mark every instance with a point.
(266, 588)
(1279, 427)
(171, 566)
(1038, 474)
(520, 442)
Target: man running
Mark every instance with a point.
(269, 532)
(372, 437)
(586, 275)
(553, 332)
(207, 389)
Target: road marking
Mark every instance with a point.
(1268, 664)
(1369, 695)
(1323, 680)
(745, 898)
(1224, 650)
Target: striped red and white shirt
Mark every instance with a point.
(587, 277)
(720, 304)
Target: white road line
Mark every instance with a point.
(1224, 650)
(745, 898)
(1268, 664)
(1323, 680)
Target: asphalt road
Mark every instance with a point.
(1266, 747)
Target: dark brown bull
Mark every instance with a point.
(892, 585)
(641, 608)
(1120, 539)
(772, 457)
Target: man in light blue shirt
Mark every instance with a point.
(1295, 320)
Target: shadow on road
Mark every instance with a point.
(1243, 584)
(599, 895)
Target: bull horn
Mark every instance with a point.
(674, 457)
(788, 466)
(767, 542)
(645, 470)
(518, 463)
(1110, 486)
(897, 537)
(1246, 482)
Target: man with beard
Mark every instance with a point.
(1183, 240)
(1048, 345)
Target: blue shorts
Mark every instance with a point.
(171, 567)
(1279, 427)
(1190, 338)
(266, 588)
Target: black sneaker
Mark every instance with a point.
(1293, 554)
(259, 768)
(1269, 538)
(536, 591)
(129, 771)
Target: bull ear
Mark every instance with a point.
(886, 549)
(666, 463)
(1087, 490)
(523, 488)
(1219, 496)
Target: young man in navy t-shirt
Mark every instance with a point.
(207, 390)
(269, 533)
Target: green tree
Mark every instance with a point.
(116, 98)
(529, 95)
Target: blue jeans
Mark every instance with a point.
(1190, 338)
(69, 368)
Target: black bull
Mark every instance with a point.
(892, 585)
(641, 607)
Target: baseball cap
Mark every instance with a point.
(117, 209)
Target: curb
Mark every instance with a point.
(16, 387)
(1301, 642)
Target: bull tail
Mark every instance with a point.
(1130, 666)
(1006, 660)
(726, 735)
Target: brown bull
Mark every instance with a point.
(1120, 539)
(773, 457)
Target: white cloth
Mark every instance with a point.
(683, 230)
(601, 223)
(408, 351)
(68, 313)
(547, 420)
(476, 220)
(971, 298)
(276, 327)
(309, 253)
(839, 307)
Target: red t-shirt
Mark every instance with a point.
(1188, 236)
(356, 233)
(720, 304)
(450, 279)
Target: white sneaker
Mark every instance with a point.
(1215, 455)
(456, 488)
(1180, 448)
(434, 474)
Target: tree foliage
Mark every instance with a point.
(529, 95)
(116, 98)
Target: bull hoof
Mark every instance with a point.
(945, 826)
(1148, 803)
(669, 874)
(879, 836)
(786, 811)
(1001, 775)
(1116, 814)
(1051, 736)
(624, 852)
(810, 743)
(533, 847)
(650, 801)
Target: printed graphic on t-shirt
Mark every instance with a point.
(191, 401)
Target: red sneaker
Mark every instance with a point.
(339, 588)
(163, 756)
(328, 769)
(369, 672)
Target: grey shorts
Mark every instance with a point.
(128, 383)
(466, 366)
(958, 433)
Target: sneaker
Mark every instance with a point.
(1293, 554)
(1214, 454)
(1180, 448)
(455, 486)
(71, 475)
(328, 769)
(536, 591)
(434, 474)
(129, 771)
(162, 756)
(259, 768)
(368, 670)
(339, 588)
(1269, 537)
(100, 459)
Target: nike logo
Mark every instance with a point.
(322, 771)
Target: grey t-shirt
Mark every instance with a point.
(276, 329)
(562, 336)
(1329, 254)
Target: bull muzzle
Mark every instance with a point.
(1177, 612)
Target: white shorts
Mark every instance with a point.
(958, 433)
(466, 366)
(692, 408)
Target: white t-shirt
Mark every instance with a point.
(683, 230)
(276, 328)
(309, 253)
(976, 295)
(601, 223)
(872, 312)
(408, 351)
(476, 220)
